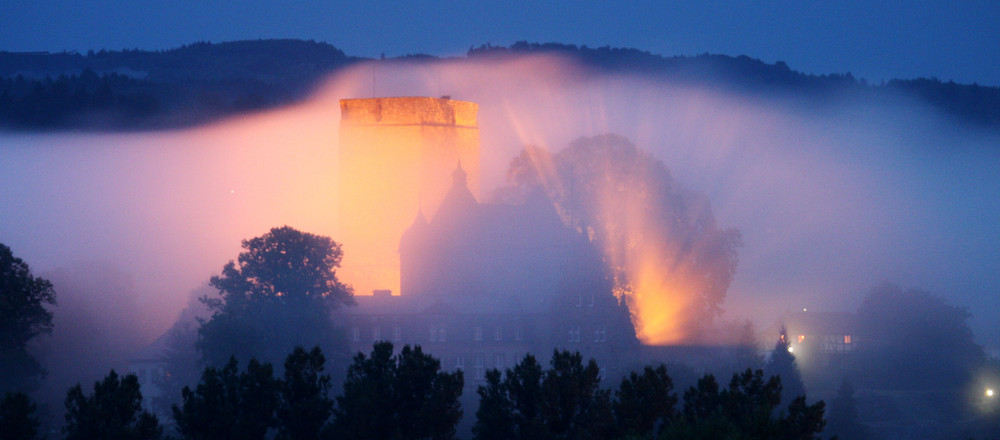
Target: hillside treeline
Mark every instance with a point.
(138, 89)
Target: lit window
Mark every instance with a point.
(479, 334)
(847, 339)
(802, 338)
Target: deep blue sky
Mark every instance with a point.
(878, 40)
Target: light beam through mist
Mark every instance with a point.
(829, 202)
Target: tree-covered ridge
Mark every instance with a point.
(203, 81)
(135, 89)
(267, 60)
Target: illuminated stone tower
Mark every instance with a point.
(396, 160)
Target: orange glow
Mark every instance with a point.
(396, 158)
(660, 305)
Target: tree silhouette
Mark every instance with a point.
(843, 420)
(510, 403)
(747, 409)
(782, 364)
(228, 404)
(562, 402)
(644, 401)
(406, 396)
(900, 327)
(113, 411)
(304, 406)
(278, 296)
(17, 417)
(23, 316)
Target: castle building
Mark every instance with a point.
(485, 284)
(395, 158)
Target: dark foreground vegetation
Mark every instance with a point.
(136, 90)
(919, 367)
(406, 396)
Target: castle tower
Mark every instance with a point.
(396, 159)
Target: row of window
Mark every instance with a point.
(579, 300)
(438, 333)
(397, 334)
(600, 334)
(833, 343)
(499, 363)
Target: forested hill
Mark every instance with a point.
(137, 89)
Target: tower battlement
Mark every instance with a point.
(413, 110)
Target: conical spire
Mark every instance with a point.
(416, 233)
(459, 177)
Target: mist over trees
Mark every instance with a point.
(229, 403)
(902, 328)
(632, 207)
(23, 316)
(200, 82)
(406, 395)
(112, 411)
(782, 364)
(402, 396)
(566, 401)
(277, 295)
(97, 326)
(18, 417)
(843, 419)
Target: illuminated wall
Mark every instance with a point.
(396, 157)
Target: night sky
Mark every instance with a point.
(872, 40)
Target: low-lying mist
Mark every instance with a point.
(829, 201)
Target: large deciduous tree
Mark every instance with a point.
(23, 316)
(912, 339)
(405, 396)
(277, 295)
(660, 239)
(113, 411)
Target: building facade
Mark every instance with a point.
(395, 156)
